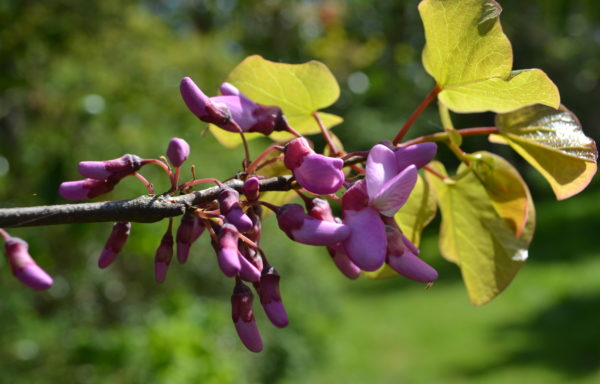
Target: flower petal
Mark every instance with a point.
(417, 154)
(366, 246)
(381, 167)
(319, 232)
(320, 174)
(396, 191)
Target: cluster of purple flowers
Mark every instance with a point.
(365, 238)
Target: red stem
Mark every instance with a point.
(161, 164)
(325, 133)
(442, 135)
(145, 182)
(252, 167)
(434, 172)
(189, 184)
(4, 234)
(428, 99)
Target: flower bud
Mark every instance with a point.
(248, 271)
(270, 298)
(163, 257)
(190, 229)
(320, 209)
(202, 106)
(227, 250)
(85, 189)
(232, 210)
(251, 188)
(24, 267)
(243, 318)
(178, 151)
(304, 229)
(418, 155)
(116, 168)
(314, 172)
(118, 236)
(343, 262)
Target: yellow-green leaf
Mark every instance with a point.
(476, 237)
(298, 89)
(413, 217)
(553, 142)
(531, 86)
(506, 188)
(470, 57)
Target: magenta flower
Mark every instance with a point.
(390, 178)
(251, 188)
(305, 229)
(24, 267)
(162, 259)
(116, 168)
(118, 236)
(402, 255)
(178, 151)
(270, 298)
(314, 172)
(85, 189)
(229, 202)
(232, 110)
(248, 271)
(190, 229)
(227, 250)
(243, 317)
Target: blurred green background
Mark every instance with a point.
(93, 80)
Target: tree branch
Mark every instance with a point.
(143, 209)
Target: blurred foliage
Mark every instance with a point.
(93, 80)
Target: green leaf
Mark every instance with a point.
(553, 142)
(506, 188)
(413, 217)
(475, 236)
(298, 89)
(470, 57)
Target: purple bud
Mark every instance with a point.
(314, 172)
(118, 236)
(190, 228)
(304, 229)
(228, 89)
(24, 267)
(85, 189)
(163, 257)
(201, 106)
(120, 167)
(320, 209)
(178, 151)
(227, 253)
(251, 188)
(243, 317)
(232, 210)
(270, 298)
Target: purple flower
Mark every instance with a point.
(190, 229)
(24, 267)
(314, 172)
(248, 271)
(229, 202)
(227, 250)
(251, 188)
(85, 189)
(270, 298)
(178, 151)
(118, 236)
(390, 178)
(305, 229)
(231, 109)
(116, 168)
(243, 317)
(164, 254)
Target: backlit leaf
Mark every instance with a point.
(553, 142)
(505, 187)
(475, 236)
(470, 57)
(298, 89)
(413, 217)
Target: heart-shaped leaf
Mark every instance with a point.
(470, 58)
(298, 89)
(553, 142)
(475, 236)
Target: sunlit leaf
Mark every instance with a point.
(470, 57)
(505, 187)
(476, 237)
(553, 142)
(298, 89)
(412, 218)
